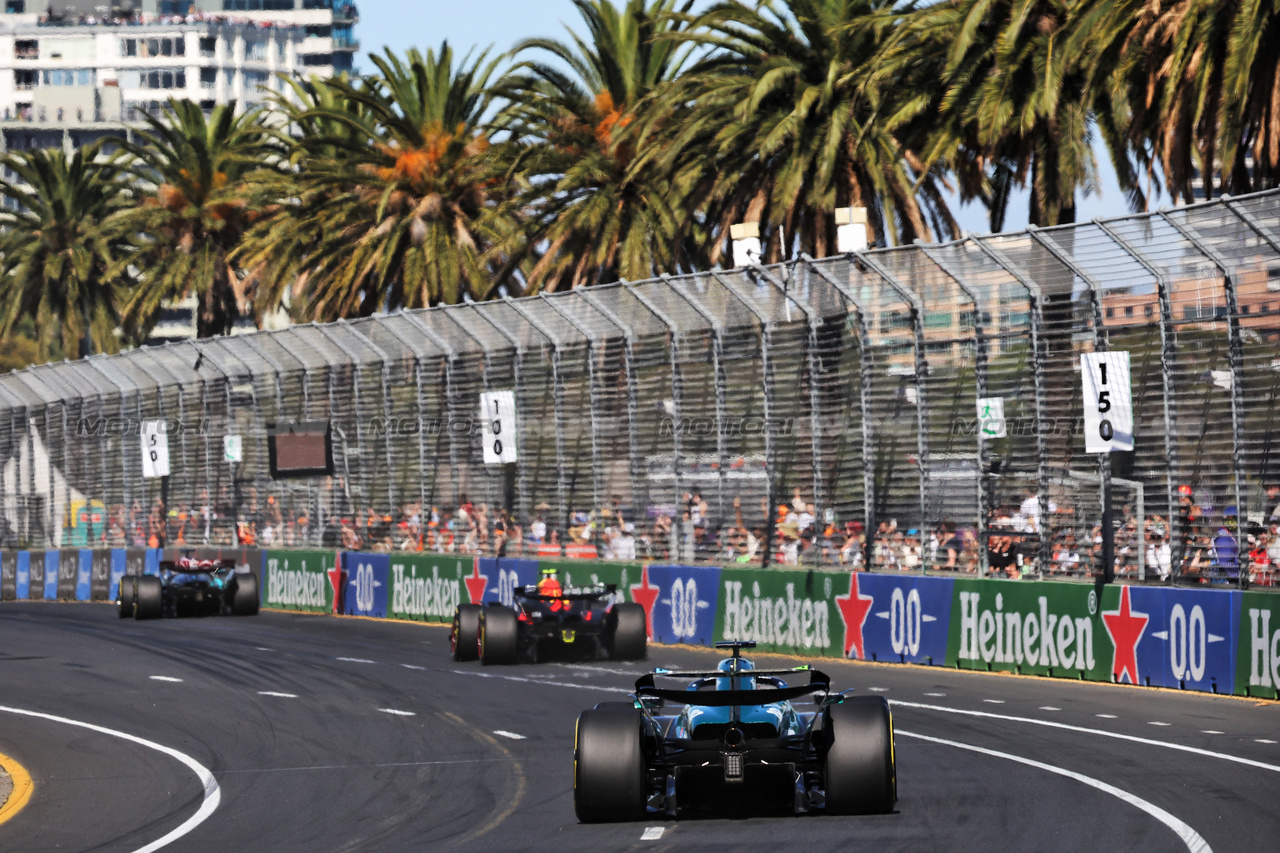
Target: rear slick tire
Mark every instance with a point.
(148, 602)
(860, 768)
(498, 636)
(608, 765)
(244, 595)
(124, 600)
(464, 637)
(631, 633)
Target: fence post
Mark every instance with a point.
(921, 375)
(770, 451)
(1034, 301)
(864, 408)
(815, 424)
(1235, 361)
(717, 367)
(677, 411)
(639, 481)
(1163, 291)
(985, 498)
(557, 384)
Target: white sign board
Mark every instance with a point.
(991, 417)
(232, 448)
(155, 449)
(1108, 402)
(498, 422)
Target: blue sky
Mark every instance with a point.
(402, 24)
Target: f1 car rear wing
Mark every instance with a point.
(192, 566)
(818, 683)
(530, 593)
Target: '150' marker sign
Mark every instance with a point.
(1108, 402)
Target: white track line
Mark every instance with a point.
(398, 713)
(356, 660)
(540, 681)
(278, 695)
(212, 793)
(1066, 727)
(512, 735)
(652, 833)
(1195, 844)
(166, 678)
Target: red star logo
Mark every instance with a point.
(476, 583)
(335, 583)
(645, 596)
(854, 608)
(1125, 627)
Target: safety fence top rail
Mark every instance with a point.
(814, 411)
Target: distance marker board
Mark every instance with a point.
(1108, 401)
(498, 426)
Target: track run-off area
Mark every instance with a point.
(288, 732)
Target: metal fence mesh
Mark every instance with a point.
(817, 412)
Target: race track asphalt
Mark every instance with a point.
(381, 742)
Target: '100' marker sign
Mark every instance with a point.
(498, 422)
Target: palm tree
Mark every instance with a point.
(194, 213)
(1015, 106)
(591, 212)
(56, 249)
(390, 202)
(792, 114)
(1203, 79)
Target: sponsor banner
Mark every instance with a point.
(119, 568)
(428, 587)
(68, 573)
(8, 575)
(576, 573)
(22, 575)
(52, 566)
(1042, 628)
(1167, 637)
(35, 560)
(791, 612)
(367, 585)
(299, 580)
(894, 617)
(100, 576)
(496, 580)
(84, 575)
(1258, 649)
(680, 602)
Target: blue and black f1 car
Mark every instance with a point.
(732, 732)
(582, 623)
(189, 587)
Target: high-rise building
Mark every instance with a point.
(77, 70)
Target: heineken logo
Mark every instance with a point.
(1264, 650)
(1039, 638)
(423, 596)
(288, 587)
(783, 621)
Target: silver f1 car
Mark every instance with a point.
(189, 587)
(732, 732)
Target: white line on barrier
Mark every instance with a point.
(652, 833)
(356, 660)
(279, 695)
(166, 678)
(1066, 727)
(1189, 836)
(397, 713)
(212, 793)
(511, 735)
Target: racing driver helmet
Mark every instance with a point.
(548, 583)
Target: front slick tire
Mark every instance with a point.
(498, 635)
(464, 639)
(608, 765)
(630, 634)
(861, 776)
(148, 600)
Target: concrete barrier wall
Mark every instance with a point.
(1212, 640)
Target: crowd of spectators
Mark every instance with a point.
(1205, 548)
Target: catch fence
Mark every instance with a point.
(818, 412)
